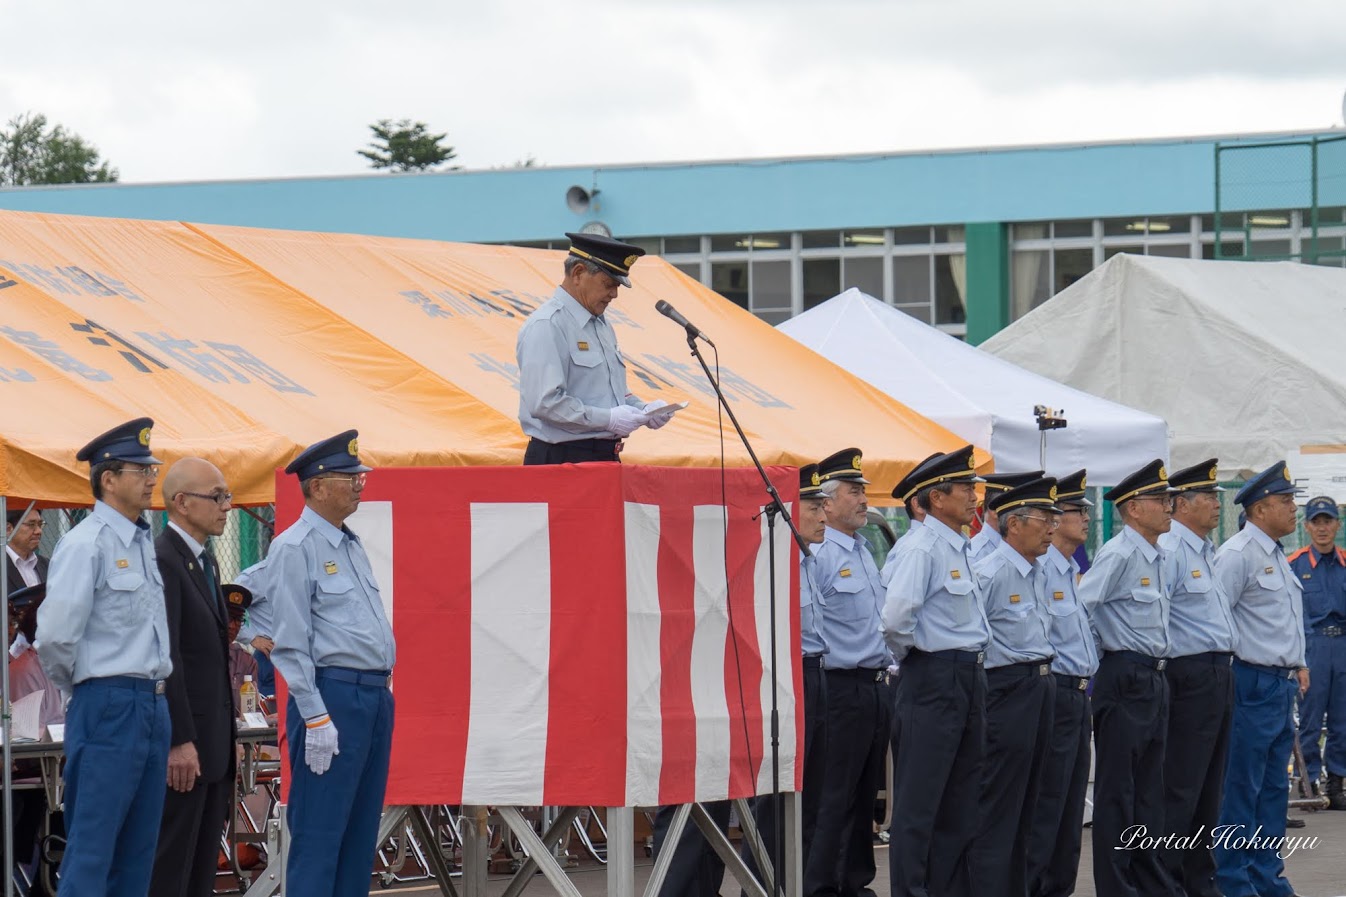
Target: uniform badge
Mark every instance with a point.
(1196, 574)
(583, 346)
(1144, 580)
(629, 261)
(1307, 575)
(144, 438)
(353, 448)
(1015, 599)
(845, 572)
(1163, 474)
(330, 567)
(955, 574)
(855, 462)
(122, 563)
(190, 566)
(1267, 569)
(1058, 596)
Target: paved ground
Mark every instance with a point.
(1317, 869)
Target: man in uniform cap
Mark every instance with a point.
(1019, 687)
(1321, 570)
(935, 623)
(904, 493)
(1056, 828)
(238, 599)
(1200, 684)
(1125, 595)
(574, 403)
(812, 524)
(102, 637)
(335, 648)
(1268, 613)
(841, 859)
(988, 537)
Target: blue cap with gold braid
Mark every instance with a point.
(128, 442)
(613, 256)
(340, 454)
(1038, 493)
(810, 483)
(957, 466)
(1275, 480)
(1152, 479)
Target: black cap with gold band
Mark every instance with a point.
(901, 491)
(810, 483)
(844, 465)
(1197, 478)
(1070, 489)
(952, 467)
(613, 256)
(1152, 479)
(1038, 493)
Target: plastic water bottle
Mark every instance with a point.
(247, 696)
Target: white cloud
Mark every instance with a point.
(173, 91)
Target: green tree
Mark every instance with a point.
(406, 146)
(32, 153)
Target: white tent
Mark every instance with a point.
(1243, 359)
(987, 401)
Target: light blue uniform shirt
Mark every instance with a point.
(327, 607)
(983, 543)
(571, 373)
(1198, 618)
(887, 572)
(1072, 637)
(104, 612)
(849, 620)
(1264, 596)
(1125, 596)
(1011, 588)
(933, 602)
(261, 616)
(811, 603)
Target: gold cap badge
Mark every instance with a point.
(855, 462)
(145, 436)
(1163, 474)
(629, 260)
(817, 480)
(353, 448)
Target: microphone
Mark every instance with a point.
(676, 317)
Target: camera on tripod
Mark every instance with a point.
(1049, 418)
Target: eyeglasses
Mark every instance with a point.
(1166, 499)
(1083, 512)
(357, 480)
(146, 472)
(1052, 522)
(220, 498)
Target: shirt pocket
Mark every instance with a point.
(853, 602)
(1318, 599)
(586, 358)
(1060, 607)
(961, 599)
(336, 600)
(1149, 609)
(1271, 581)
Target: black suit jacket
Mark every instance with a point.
(15, 579)
(200, 703)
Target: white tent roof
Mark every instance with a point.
(1243, 359)
(987, 401)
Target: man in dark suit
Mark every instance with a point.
(23, 533)
(201, 709)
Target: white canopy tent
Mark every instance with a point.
(1244, 359)
(986, 400)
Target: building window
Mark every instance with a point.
(822, 280)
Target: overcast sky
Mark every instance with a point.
(189, 91)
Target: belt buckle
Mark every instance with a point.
(1043, 668)
(981, 657)
(159, 686)
(1084, 683)
(879, 674)
(1331, 631)
(1161, 663)
(617, 449)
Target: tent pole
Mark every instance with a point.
(8, 827)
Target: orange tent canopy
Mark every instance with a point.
(245, 345)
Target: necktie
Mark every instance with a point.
(208, 568)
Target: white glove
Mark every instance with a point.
(626, 420)
(657, 420)
(320, 744)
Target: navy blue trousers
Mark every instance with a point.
(1256, 784)
(1326, 697)
(116, 771)
(334, 817)
(266, 674)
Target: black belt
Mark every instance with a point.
(373, 678)
(977, 657)
(813, 661)
(135, 683)
(609, 444)
(867, 675)
(1214, 658)
(1073, 683)
(1331, 631)
(1154, 663)
(1022, 669)
(1278, 672)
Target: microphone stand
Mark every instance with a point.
(774, 507)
